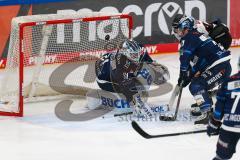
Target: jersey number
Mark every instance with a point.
(203, 38)
(235, 95)
(146, 75)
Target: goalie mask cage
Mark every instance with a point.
(46, 52)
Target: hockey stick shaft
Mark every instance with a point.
(144, 134)
(174, 95)
(174, 117)
(178, 103)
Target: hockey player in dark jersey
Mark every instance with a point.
(228, 109)
(219, 32)
(121, 72)
(216, 66)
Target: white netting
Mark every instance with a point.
(58, 51)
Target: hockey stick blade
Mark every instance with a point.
(144, 134)
(140, 131)
(174, 117)
(167, 118)
(122, 114)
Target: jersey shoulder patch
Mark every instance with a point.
(234, 82)
(233, 85)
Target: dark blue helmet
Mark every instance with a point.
(182, 21)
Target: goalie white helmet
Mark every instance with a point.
(131, 49)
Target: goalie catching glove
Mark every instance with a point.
(161, 73)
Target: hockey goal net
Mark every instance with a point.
(53, 54)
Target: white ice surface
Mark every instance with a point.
(40, 135)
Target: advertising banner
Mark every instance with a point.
(19, 2)
(151, 18)
(235, 21)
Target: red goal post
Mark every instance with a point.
(37, 40)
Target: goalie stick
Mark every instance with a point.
(173, 118)
(122, 114)
(144, 134)
(137, 128)
(174, 95)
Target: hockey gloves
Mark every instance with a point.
(213, 126)
(184, 78)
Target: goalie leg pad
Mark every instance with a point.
(105, 99)
(141, 107)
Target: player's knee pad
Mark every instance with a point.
(217, 158)
(225, 146)
(200, 95)
(223, 154)
(196, 87)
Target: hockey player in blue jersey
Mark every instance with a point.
(227, 108)
(219, 32)
(214, 65)
(120, 72)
